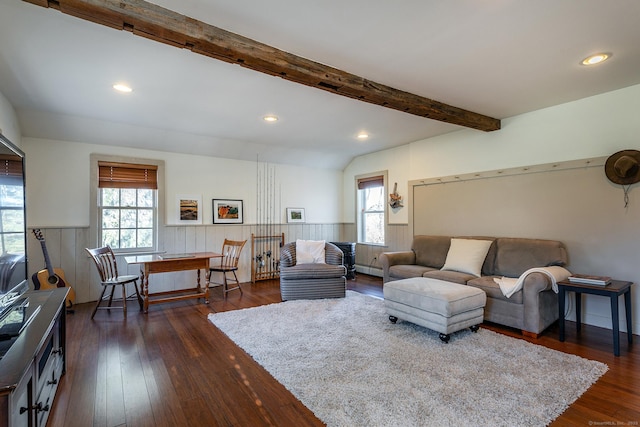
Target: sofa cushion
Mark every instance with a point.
(467, 255)
(514, 256)
(492, 289)
(431, 251)
(310, 251)
(487, 266)
(404, 271)
(449, 276)
(312, 271)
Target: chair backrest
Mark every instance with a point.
(231, 253)
(333, 255)
(105, 261)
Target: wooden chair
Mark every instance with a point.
(105, 261)
(228, 263)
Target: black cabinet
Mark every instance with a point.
(31, 369)
(349, 259)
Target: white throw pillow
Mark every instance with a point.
(310, 251)
(467, 256)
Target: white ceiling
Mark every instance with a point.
(498, 58)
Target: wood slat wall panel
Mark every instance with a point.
(66, 248)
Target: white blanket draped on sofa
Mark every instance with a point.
(510, 285)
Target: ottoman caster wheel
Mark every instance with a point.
(445, 338)
(474, 328)
(393, 319)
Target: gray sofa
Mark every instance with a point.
(312, 281)
(532, 309)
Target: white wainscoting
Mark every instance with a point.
(66, 251)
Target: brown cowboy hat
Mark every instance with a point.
(623, 167)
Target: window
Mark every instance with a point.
(11, 219)
(11, 206)
(371, 208)
(127, 206)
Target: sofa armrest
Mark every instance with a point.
(540, 303)
(333, 255)
(389, 259)
(535, 283)
(288, 255)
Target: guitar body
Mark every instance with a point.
(42, 281)
(51, 278)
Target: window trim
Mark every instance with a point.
(95, 194)
(365, 178)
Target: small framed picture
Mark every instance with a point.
(189, 209)
(226, 211)
(295, 215)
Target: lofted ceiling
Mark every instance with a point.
(497, 59)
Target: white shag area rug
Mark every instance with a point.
(351, 366)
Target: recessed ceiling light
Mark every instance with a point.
(596, 59)
(121, 87)
(363, 135)
(270, 118)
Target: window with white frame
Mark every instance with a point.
(371, 209)
(11, 217)
(127, 206)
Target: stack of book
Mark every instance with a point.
(589, 279)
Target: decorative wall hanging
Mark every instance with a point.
(189, 209)
(395, 200)
(295, 215)
(227, 211)
(623, 168)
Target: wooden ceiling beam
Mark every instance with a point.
(157, 23)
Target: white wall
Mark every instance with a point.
(58, 183)
(9, 122)
(591, 127)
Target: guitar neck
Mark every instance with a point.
(47, 260)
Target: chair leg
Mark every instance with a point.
(124, 299)
(135, 285)
(104, 288)
(226, 284)
(237, 282)
(225, 288)
(113, 288)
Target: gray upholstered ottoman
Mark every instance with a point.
(441, 306)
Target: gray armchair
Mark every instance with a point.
(312, 281)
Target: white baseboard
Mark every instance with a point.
(372, 271)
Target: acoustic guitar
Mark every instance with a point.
(51, 278)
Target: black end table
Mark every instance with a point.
(613, 290)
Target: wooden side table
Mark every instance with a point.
(613, 290)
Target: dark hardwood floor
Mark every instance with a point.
(171, 367)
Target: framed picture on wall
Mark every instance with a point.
(227, 211)
(295, 215)
(189, 209)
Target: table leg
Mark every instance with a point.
(615, 318)
(627, 310)
(578, 311)
(561, 304)
(206, 287)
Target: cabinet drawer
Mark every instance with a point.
(21, 402)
